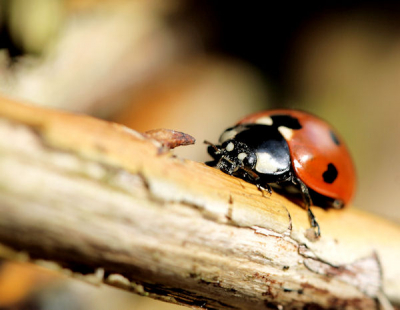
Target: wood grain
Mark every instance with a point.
(98, 199)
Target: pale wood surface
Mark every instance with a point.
(96, 197)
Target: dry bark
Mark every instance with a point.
(98, 199)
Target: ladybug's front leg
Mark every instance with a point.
(308, 202)
(262, 189)
(255, 179)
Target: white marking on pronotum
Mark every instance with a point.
(286, 132)
(267, 164)
(228, 135)
(230, 147)
(242, 156)
(265, 120)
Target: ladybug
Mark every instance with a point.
(289, 149)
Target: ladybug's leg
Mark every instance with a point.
(307, 202)
(255, 178)
(262, 189)
(314, 223)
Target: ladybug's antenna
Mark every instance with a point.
(251, 173)
(213, 145)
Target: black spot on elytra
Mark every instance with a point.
(330, 174)
(286, 120)
(334, 137)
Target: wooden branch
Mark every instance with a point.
(98, 199)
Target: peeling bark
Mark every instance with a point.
(99, 201)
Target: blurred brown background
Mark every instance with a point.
(198, 67)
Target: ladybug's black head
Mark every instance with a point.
(234, 158)
(252, 152)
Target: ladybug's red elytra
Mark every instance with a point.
(289, 148)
